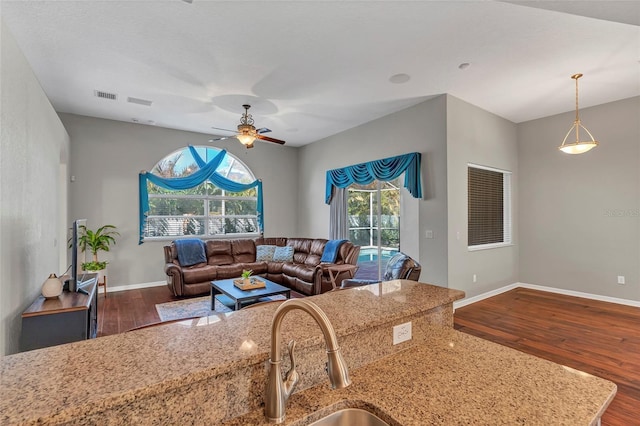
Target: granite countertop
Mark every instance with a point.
(457, 379)
(70, 381)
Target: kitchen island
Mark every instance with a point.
(213, 370)
(457, 379)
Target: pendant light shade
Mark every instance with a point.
(577, 147)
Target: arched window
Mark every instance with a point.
(205, 211)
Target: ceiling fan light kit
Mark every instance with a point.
(577, 147)
(247, 132)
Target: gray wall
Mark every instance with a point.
(477, 136)
(32, 155)
(579, 215)
(420, 128)
(106, 158)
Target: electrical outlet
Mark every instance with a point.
(402, 333)
(620, 279)
(475, 278)
(428, 233)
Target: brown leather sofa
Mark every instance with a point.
(228, 258)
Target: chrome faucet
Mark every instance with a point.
(278, 389)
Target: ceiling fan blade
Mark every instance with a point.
(225, 130)
(263, 130)
(221, 139)
(268, 139)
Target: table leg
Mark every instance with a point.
(333, 279)
(213, 298)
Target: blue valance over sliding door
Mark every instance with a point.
(384, 170)
(207, 171)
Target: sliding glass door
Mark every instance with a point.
(374, 224)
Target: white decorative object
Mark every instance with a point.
(52, 287)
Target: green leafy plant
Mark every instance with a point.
(96, 241)
(246, 274)
(94, 266)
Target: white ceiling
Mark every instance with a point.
(311, 69)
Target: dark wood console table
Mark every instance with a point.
(68, 318)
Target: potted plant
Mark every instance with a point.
(246, 276)
(96, 241)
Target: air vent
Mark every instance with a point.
(105, 95)
(139, 101)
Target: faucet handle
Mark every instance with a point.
(292, 377)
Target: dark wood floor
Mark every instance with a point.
(597, 337)
(124, 310)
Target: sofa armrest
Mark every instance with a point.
(317, 280)
(174, 278)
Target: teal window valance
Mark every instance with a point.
(207, 171)
(384, 170)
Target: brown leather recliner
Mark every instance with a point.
(399, 267)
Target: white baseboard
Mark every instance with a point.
(470, 300)
(474, 299)
(136, 286)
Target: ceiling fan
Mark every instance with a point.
(247, 132)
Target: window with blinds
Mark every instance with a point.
(489, 207)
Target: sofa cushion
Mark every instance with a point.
(283, 254)
(256, 268)
(243, 251)
(301, 247)
(199, 274)
(315, 252)
(219, 252)
(274, 267)
(230, 271)
(264, 253)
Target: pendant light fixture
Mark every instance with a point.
(577, 147)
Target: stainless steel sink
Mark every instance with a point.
(350, 417)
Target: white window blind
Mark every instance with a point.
(489, 207)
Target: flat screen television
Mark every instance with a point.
(75, 282)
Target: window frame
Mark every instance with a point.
(206, 199)
(507, 217)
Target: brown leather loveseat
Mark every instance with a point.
(228, 258)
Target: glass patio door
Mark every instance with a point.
(374, 224)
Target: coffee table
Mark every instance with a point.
(242, 297)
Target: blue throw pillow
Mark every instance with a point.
(283, 254)
(265, 253)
